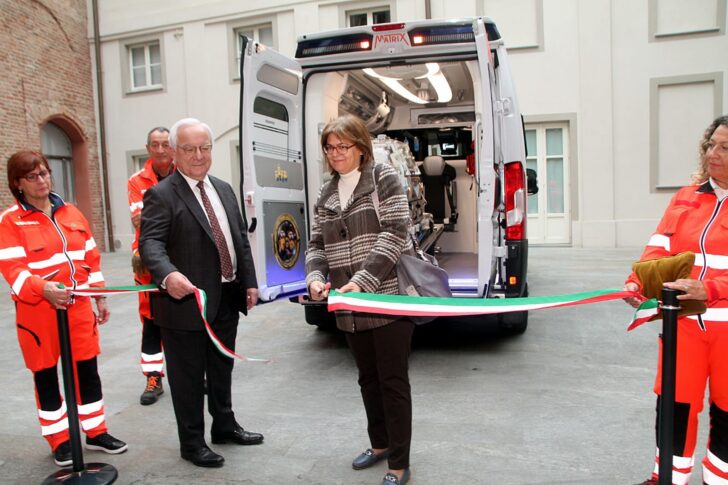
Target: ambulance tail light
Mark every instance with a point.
(515, 198)
(442, 34)
(334, 45)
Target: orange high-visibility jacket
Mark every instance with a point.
(139, 183)
(696, 221)
(35, 249)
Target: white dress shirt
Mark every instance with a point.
(219, 213)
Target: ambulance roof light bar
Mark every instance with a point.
(453, 33)
(334, 45)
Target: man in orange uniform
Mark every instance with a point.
(159, 165)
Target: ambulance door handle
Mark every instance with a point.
(253, 224)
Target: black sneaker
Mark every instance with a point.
(153, 390)
(62, 454)
(106, 442)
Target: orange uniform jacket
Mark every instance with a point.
(35, 249)
(695, 221)
(139, 183)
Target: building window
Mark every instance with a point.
(138, 161)
(58, 150)
(549, 211)
(371, 16)
(145, 66)
(262, 34)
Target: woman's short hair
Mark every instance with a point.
(701, 174)
(353, 129)
(21, 164)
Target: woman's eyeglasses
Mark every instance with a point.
(32, 177)
(340, 148)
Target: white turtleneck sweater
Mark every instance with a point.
(347, 184)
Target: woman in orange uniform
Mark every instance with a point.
(46, 248)
(697, 220)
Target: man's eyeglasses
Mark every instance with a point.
(155, 145)
(341, 148)
(32, 177)
(190, 150)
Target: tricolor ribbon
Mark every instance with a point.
(200, 297)
(401, 305)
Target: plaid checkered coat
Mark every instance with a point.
(355, 245)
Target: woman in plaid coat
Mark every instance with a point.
(354, 246)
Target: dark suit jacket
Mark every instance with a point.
(175, 236)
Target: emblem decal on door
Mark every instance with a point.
(281, 175)
(286, 241)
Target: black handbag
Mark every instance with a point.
(418, 274)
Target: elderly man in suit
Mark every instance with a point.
(193, 235)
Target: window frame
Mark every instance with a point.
(369, 11)
(127, 69)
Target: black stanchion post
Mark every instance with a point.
(92, 473)
(69, 389)
(670, 306)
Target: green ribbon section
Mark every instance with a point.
(477, 302)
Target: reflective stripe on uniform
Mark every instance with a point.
(152, 362)
(95, 277)
(53, 415)
(58, 258)
(712, 261)
(52, 422)
(713, 314)
(12, 253)
(136, 206)
(715, 470)
(91, 423)
(91, 407)
(659, 240)
(54, 428)
(682, 467)
(20, 280)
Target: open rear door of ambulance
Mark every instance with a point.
(272, 180)
(484, 136)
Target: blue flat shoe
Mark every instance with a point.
(391, 478)
(367, 459)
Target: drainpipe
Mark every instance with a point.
(428, 10)
(102, 129)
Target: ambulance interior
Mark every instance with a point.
(421, 119)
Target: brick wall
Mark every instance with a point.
(46, 74)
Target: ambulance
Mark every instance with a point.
(439, 101)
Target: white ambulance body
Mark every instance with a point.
(438, 98)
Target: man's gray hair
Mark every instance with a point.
(160, 129)
(181, 124)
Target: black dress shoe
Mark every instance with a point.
(204, 456)
(367, 459)
(238, 436)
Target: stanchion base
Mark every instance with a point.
(93, 474)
